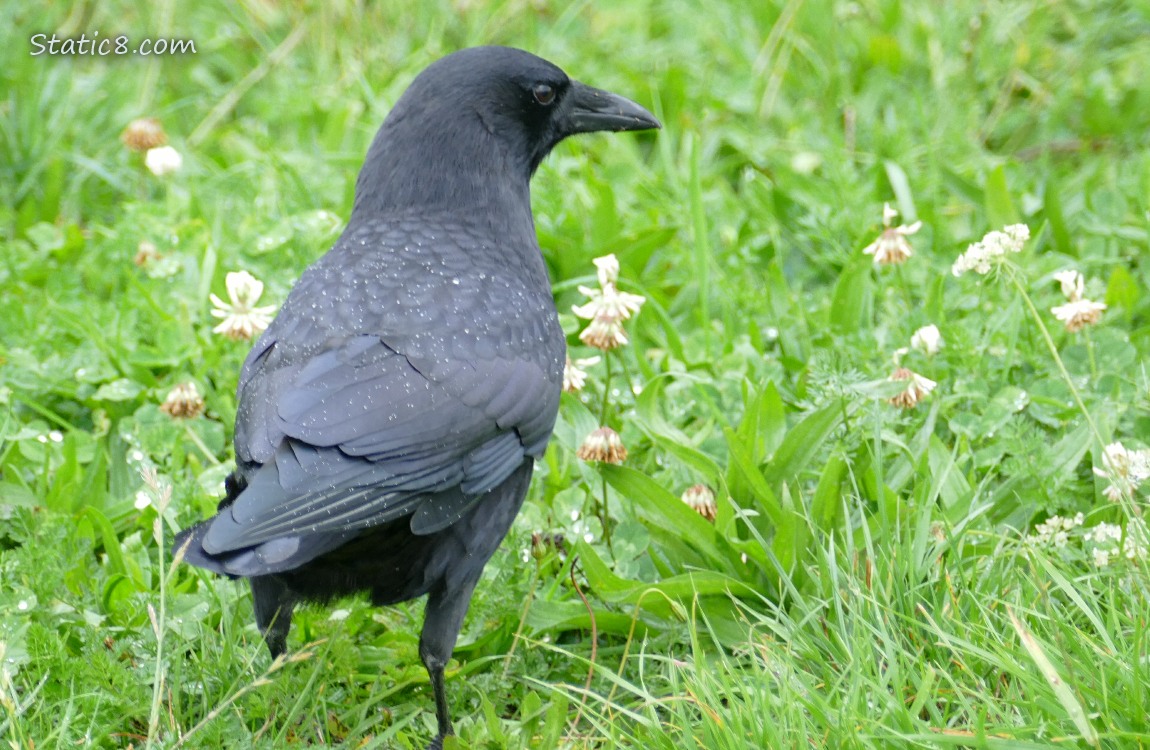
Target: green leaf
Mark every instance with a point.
(852, 303)
(107, 535)
(902, 193)
(16, 494)
(556, 722)
(803, 443)
(667, 512)
(1052, 207)
(962, 186)
(121, 389)
(772, 421)
(1122, 289)
(1000, 210)
(827, 499)
(747, 482)
(675, 590)
(560, 616)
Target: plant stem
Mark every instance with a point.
(1057, 357)
(606, 390)
(604, 518)
(522, 620)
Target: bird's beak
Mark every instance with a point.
(594, 109)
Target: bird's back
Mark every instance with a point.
(458, 296)
(413, 368)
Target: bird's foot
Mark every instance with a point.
(436, 744)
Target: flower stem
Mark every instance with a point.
(606, 390)
(603, 520)
(1057, 358)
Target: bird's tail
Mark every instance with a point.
(273, 556)
(190, 541)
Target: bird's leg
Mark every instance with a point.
(273, 604)
(443, 619)
(442, 712)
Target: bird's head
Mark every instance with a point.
(477, 121)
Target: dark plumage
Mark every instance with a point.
(390, 416)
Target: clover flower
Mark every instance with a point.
(701, 500)
(608, 303)
(241, 318)
(146, 252)
(607, 268)
(927, 340)
(574, 376)
(1055, 531)
(1110, 541)
(1078, 314)
(891, 246)
(144, 134)
(917, 388)
(1072, 283)
(1105, 543)
(183, 402)
(603, 445)
(163, 160)
(1126, 469)
(981, 256)
(607, 308)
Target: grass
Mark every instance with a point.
(874, 577)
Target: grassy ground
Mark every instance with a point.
(876, 576)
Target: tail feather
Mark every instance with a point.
(272, 556)
(190, 543)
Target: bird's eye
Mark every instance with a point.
(543, 93)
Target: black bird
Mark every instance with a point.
(390, 416)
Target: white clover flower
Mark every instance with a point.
(606, 308)
(917, 388)
(163, 160)
(1073, 284)
(980, 256)
(1078, 314)
(604, 334)
(574, 376)
(701, 499)
(603, 444)
(927, 339)
(144, 134)
(608, 303)
(1126, 470)
(1104, 533)
(1055, 530)
(891, 246)
(1112, 541)
(183, 402)
(608, 269)
(1136, 545)
(241, 318)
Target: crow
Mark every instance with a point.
(389, 417)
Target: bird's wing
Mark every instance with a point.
(356, 434)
